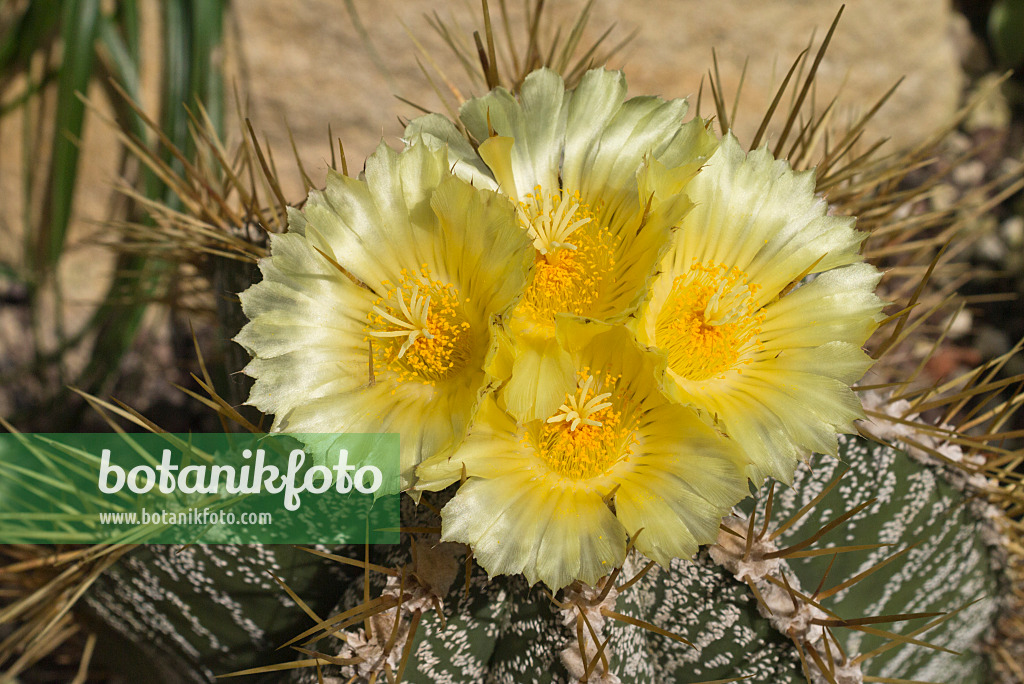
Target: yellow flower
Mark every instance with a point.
(555, 498)
(374, 313)
(598, 185)
(764, 351)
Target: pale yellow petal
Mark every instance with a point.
(542, 374)
(548, 532)
(840, 304)
(306, 323)
(767, 446)
(840, 361)
(323, 359)
(776, 413)
(594, 102)
(682, 480)
(373, 229)
(480, 246)
(607, 139)
(536, 122)
(429, 422)
(496, 151)
(440, 133)
(756, 214)
(647, 221)
(492, 448)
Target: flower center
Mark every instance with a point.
(419, 329)
(588, 435)
(574, 254)
(709, 321)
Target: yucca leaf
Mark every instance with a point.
(192, 37)
(206, 78)
(78, 31)
(31, 30)
(1006, 31)
(127, 18)
(124, 65)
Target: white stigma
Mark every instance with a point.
(552, 226)
(726, 305)
(577, 412)
(415, 324)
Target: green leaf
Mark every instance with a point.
(1006, 31)
(78, 31)
(31, 31)
(125, 65)
(193, 32)
(128, 19)
(207, 79)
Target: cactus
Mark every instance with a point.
(501, 630)
(186, 614)
(696, 622)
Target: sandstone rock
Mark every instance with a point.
(311, 65)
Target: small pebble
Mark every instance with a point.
(969, 173)
(1013, 231)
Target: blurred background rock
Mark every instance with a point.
(313, 64)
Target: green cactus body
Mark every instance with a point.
(520, 635)
(504, 631)
(951, 567)
(197, 611)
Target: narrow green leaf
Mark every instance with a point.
(78, 31)
(206, 79)
(193, 33)
(30, 32)
(127, 18)
(1006, 31)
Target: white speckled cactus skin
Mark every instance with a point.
(183, 606)
(197, 611)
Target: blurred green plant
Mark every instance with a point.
(50, 54)
(1006, 32)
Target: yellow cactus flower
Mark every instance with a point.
(761, 306)
(556, 498)
(374, 312)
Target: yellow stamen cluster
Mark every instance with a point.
(574, 255)
(709, 322)
(587, 436)
(419, 329)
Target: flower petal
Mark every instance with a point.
(440, 133)
(542, 374)
(679, 487)
(492, 449)
(375, 228)
(320, 363)
(837, 305)
(429, 422)
(536, 122)
(479, 245)
(550, 533)
(755, 213)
